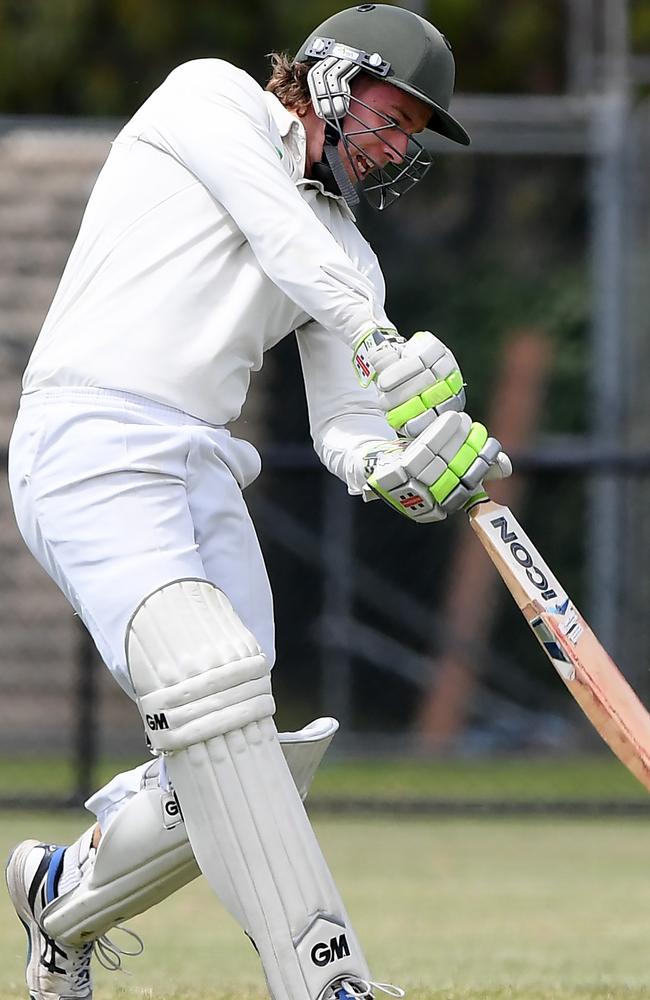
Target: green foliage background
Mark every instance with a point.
(101, 57)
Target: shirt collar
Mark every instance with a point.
(292, 132)
(294, 139)
(284, 120)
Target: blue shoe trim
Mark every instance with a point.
(54, 873)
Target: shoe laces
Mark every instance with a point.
(109, 955)
(80, 966)
(364, 989)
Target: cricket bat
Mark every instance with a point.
(588, 671)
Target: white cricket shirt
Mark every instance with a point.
(201, 247)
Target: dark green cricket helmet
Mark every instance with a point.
(398, 46)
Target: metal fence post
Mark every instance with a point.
(607, 403)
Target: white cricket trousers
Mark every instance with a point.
(116, 496)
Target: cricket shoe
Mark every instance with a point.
(55, 970)
(358, 989)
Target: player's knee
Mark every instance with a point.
(196, 669)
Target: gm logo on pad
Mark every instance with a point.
(157, 720)
(323, 953)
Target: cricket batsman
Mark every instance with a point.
(221, 222)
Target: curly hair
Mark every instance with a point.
(288, 81)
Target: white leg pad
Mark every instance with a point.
(203, 689)
(138, 863)
(145, 855)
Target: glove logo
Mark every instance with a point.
(411, 501)
(362, 366)
(323, 954)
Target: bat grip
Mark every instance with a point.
(477, 498)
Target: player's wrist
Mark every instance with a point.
(373, 350)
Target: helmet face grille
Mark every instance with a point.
(380, 185)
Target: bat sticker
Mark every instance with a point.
(562, 664)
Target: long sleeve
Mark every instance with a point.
(344, 418)
(201, 247)
(213, 119)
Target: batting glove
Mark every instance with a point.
(417, 380)
(437, 473)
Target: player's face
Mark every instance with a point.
(374, 105)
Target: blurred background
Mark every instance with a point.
(527, 253)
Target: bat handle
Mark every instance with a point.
(477, 498)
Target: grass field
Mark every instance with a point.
(451, 910)
(590, 778)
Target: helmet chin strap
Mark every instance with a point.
(331, 172)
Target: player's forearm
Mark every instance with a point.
(343, 447)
